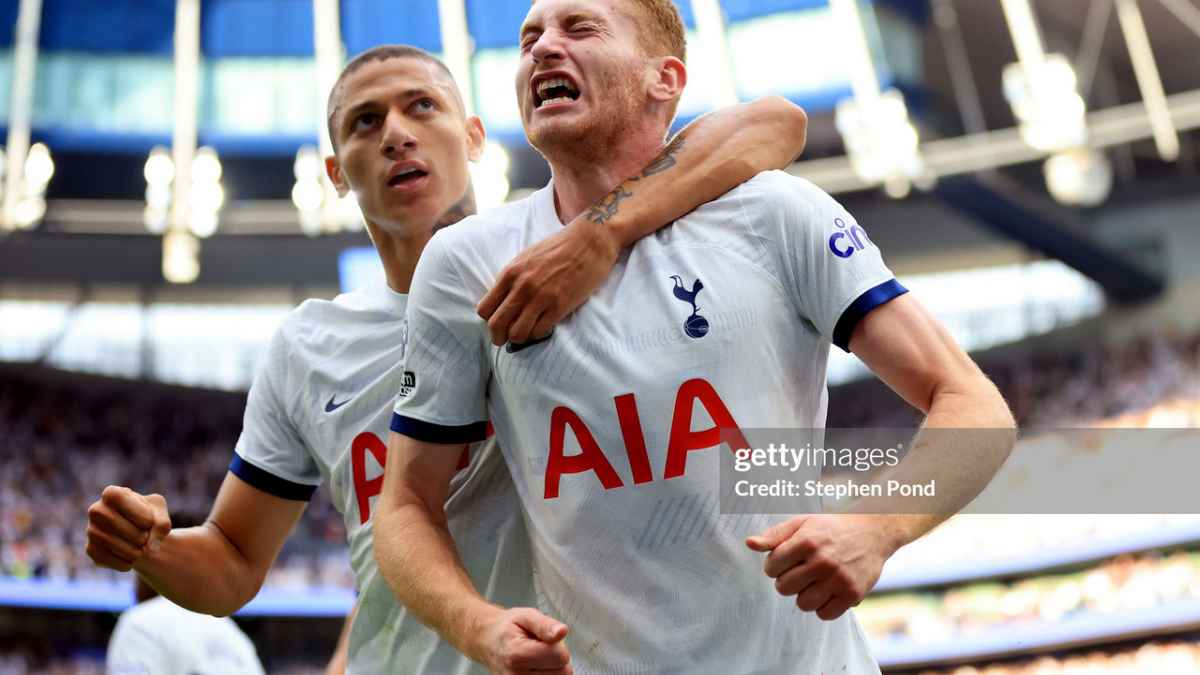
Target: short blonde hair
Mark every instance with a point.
(662, 32)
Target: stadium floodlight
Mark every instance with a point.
(30, 211)
(489, 176)
(1078, 177)
(1045, 100)
(181, 257)
(39, 168)
(160, 168)
(308, 194)
(880, 139)
(319, 206)
(308, 197)
(207, 194)
(882, 143)
(1041, 89)
(206, 166)
(30, 203)
(23, 75)
(160, 174)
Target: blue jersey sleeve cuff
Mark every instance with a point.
(879, 295)
(269, 482)
(438, 433)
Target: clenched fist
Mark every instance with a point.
(523, 640)
(829, 562)
(123, 526)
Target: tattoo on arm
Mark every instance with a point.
(461, 209)
(608, 207)
(667, 159)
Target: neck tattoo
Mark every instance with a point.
(461, 209)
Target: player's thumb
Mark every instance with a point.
(541, 626)
(162, 520)
(773, 536)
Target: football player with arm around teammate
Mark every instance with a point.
(320, 405)
(614, 427)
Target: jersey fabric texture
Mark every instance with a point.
(318, 411)
(158, 637)
(611, 426)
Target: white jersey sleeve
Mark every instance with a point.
(443, 398)
(822, 256)
(270, 454)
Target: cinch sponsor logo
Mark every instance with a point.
(845, 242)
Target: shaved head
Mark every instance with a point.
(382, 53)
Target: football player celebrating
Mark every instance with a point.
(320, 405)
(610, 425)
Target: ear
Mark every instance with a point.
(476, 137)
(334, 171)
(669, 79)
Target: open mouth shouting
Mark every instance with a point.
(553, 90)
(407, 176)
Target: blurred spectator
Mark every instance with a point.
(65, 438)
(1127, 583)
(1058, 389)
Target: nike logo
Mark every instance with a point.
(331, 406)
(513, 349)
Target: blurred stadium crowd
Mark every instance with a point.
(1151, 381)
(67, 436)
(1125, 584)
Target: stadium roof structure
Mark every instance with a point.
(104, 81)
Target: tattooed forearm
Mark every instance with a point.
(611, 204)
(667, 159)
(608, 207)
(461, 209)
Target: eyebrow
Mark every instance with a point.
(408, 94)
(529, 28)
(570, 20)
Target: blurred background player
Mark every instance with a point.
(320, 405)
(719, 323)
(158, 637)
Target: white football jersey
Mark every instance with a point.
(318, 411)
(611, 425)
(158, 637)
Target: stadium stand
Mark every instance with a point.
(65, 437)
(68, 434)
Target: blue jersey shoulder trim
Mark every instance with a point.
(438, 433)
(269, 482)
(879, 295)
